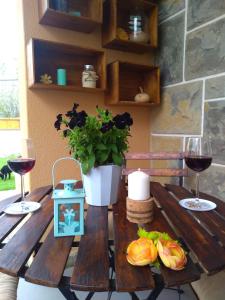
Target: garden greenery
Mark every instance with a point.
(95, 140)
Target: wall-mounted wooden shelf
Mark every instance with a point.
(90, 18)
(46, 57)
(124, 80)
(116, 15)
(69, 88)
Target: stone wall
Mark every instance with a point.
(192, 61)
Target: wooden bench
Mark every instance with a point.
(153, 156)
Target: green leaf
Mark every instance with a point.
(117, 159)
(142, 232)
(102, 156)
(91, 161)
(101, 147)
(113, 148)
(89, 148)
(153, 235)
(84, 167)
(165, 236)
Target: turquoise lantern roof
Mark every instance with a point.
(68, 191)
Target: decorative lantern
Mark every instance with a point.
(68, 207)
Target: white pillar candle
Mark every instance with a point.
(138, 186)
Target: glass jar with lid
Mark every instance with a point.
(137, 26)
(89, 77)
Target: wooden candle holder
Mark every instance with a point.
(141, 211)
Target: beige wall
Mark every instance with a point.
(41, 107)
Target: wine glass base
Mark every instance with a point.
(22, 208)
(197, 205)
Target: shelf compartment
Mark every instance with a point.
(124, 80)
(91, 15)
(116, 14)
(46, 57)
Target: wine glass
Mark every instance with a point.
(198, 157)
(22, 165)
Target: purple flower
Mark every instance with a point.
(58, 122)
(59, 117)
(57, 125)
(79, 120)
(75, 106)
(65, 132)
(72, 113)
(121, 121)
(72, 123)
(128, 118)
(106, 126)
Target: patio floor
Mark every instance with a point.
(36, 292)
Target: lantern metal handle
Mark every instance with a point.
(56, 162)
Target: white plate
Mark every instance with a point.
(206, 205)
(16, 208)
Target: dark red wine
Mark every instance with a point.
(21, 165)
(198, 163)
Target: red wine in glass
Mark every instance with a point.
(21, 165)
(198, 157)
(198, 163)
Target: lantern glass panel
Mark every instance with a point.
(69, 218)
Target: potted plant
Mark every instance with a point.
(98, 143)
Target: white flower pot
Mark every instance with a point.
(101, 185)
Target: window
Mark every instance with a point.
(9, 102)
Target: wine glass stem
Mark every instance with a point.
(22, 190)
(197, 187)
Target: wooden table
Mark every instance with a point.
(202, 233)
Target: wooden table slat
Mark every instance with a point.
(172, 278)
(9, 222)
(91, 269)
(4, 203)
(198, 240)
(16, 252)
(213, 221)
(49, 263)
(128, 278)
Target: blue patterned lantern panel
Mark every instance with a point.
(69, 218)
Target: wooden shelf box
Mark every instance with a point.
(116, 15)
(46, 57)
(90, 18)
(124, 80)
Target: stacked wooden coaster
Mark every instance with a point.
(139, 203)
(140, 212)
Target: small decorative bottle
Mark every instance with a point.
(89, 77)
(60, 5)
